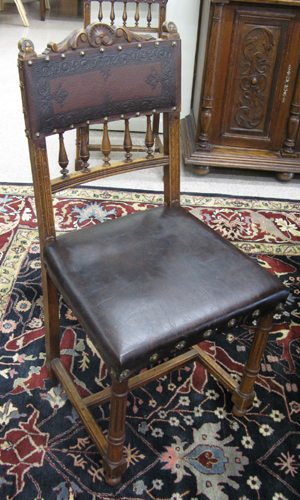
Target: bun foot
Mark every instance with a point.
(285, 176)
(199, 170)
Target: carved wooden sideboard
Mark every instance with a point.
(245, 106)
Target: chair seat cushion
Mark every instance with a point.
(142, 284)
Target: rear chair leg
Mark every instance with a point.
(51, 320)
(244, 395)
(114, 462)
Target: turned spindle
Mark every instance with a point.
(62, 157)
(124, 17)
(84, 150)
(137, 14)
(149, 15)
(105, 147)
(149, 140)
(100, 13)
(112, 12)
(127, 144)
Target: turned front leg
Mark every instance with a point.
(243, 397)
(114, 462)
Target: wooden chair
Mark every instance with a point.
(139, 22)
(149, 287)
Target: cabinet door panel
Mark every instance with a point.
(254, 90)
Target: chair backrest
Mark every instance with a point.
(97, 75)
(143, 16)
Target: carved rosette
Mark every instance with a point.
(100, 34)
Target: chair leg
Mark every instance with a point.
(114, 462)
(78, 161)
(51, 320)
(244, 395)
(42, 9)
(22, 12)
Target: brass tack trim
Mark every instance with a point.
(139, 45)
(256, 313)
(156, 44)
(174, 44)
(82, 53)
(27, 134)
(122, 117)
(207, 334)
(47, 58)
(138, 113)
(174, 109)
(29, 63)
(37, 134)
(88, 122)
(21, 85)
(120, 47)
(102, 49)
(154, 111)
(154, 357)
(180, 345)
(105, 119)
(124, 375)
(231, 323)
(63, 56)
(55, 131)
(72, 126)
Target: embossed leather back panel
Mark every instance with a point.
(65, 91)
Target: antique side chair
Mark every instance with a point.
(145, 17)
(149, 287)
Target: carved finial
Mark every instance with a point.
(26, 48)
(169, 27)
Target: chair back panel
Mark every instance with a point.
(100, 73)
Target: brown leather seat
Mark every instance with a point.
(151, 285)
(144, 284)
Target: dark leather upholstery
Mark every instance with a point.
(143, 283)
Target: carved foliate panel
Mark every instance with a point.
(253, 83)
(254, 69)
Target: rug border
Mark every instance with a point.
(160, 193)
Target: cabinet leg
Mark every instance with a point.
(200, 170)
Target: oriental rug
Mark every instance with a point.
(182, 441)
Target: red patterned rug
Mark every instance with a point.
(182, 440)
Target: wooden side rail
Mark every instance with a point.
(80, 177)
(87, 418)
(144, 378)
